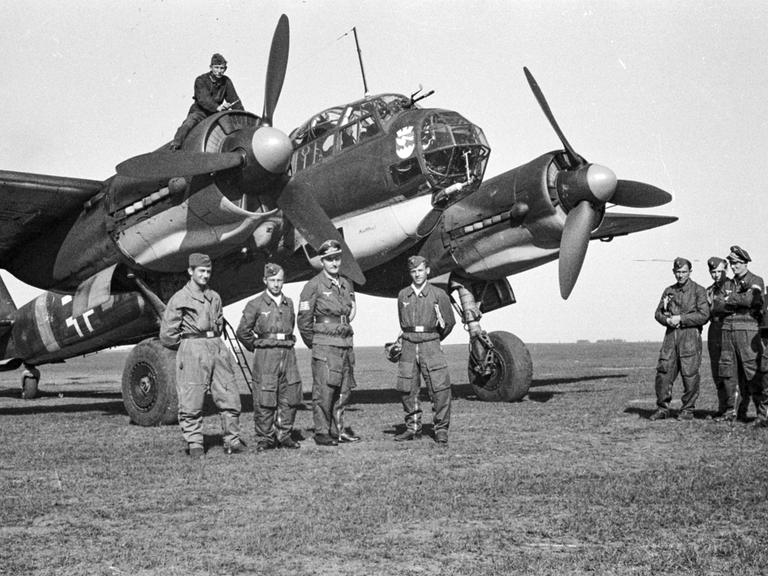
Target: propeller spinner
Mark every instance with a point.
(583, 191)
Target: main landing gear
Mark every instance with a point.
(30, 379)
(149, 384)
(500, 367)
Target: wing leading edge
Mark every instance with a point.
(32, 203)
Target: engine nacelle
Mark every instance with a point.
(513, 223)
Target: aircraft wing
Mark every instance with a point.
(618, 224)
(32, 203)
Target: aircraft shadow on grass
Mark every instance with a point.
(113, 400)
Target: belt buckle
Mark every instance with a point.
(280, 336)
(419, 328)
(209, 334)
(342, 319)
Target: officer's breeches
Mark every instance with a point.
(680, 353)
(427, 360)
(332, 381)
(204, 365)
(276, 392)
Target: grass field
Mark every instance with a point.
(573, 480)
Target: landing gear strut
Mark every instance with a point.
(500, 367)
(30, 379)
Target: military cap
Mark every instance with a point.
(714, 262)
(738, 254)
(680, 262)
(217, 60)
(416, 261)
(329, 248)
(271, 269)
(196, 259)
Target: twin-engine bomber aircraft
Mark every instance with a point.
(383, 175)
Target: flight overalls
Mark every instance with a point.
(266, 329)
(426, 318)
(719, 316)
(192, 324)
(681, 349)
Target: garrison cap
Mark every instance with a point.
(217, 60)
(416, 261)
(714, 262)
(680, 262)
(271, 269)
(196, 259)
(329, 248)
(738, 254)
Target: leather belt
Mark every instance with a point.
(419, 329)
(209, 334)
(275, 336)
(331, 320)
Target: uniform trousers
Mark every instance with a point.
(196, 114)
(726, 387)
(276, 393)
(680, 354)
(333, 379)
(202, 365)
(425, 360)
(741, 352)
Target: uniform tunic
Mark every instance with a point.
(426, 318)
(210, 92)
(323, 323)
(192, 324)
(266, 329)
(742, 347)
(681, 348)
(726, 389)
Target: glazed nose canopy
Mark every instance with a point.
(592, 182)
(272, 149)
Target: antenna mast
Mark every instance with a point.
(360, 58)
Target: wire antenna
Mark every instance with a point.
(360, 58)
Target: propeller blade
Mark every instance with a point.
(575, 158)
(309, 218)
(167, 164)
(278, 61)
(639, 195)
(573, 245)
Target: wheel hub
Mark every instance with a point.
(143, 386)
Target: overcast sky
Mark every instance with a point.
(669, 93)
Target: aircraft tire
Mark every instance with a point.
(513, 372)
(30, 379)
(149, 384)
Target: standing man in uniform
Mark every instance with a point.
(326, 307)
(682, 310)
(742, 347)
(266, 329)
(214, 92)
(426, 318)
(719, 318)
(192, 324)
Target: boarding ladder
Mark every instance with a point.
(237, 350)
